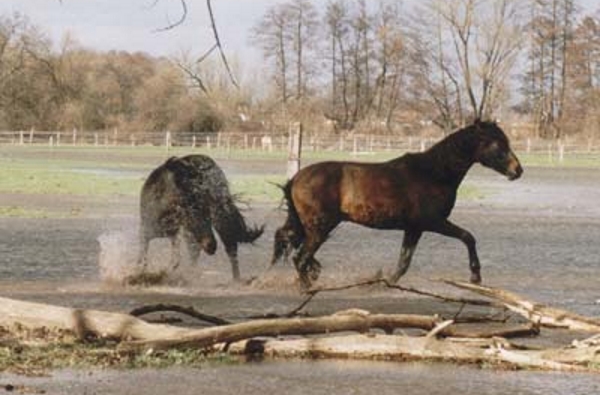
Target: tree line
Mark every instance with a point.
(351, 64)
(75, 88)
(446, 61)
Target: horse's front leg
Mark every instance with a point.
(143, 253)
(175, 253)
(409, 244)
(447, 228)
(193, 247)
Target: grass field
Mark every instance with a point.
(100, 172)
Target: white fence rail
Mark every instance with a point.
(352, 143)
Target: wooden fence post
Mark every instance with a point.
(74, 136)
(194, 141)
(30, 136)
(294, 149)
(561, 151)
(167, 141)
(21, 140)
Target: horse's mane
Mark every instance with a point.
(450, 158)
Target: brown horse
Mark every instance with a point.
(415, 193)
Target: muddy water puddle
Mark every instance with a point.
(314, 377)
(538, 237)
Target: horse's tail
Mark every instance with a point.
(291, 234)
(231, 224)
(247, 234)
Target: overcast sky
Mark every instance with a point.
(130, 24)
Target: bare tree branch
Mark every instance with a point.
(179, 21)
(218, 44)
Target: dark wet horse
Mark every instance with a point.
(415, 193)
(191, 195)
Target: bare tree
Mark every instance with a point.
(485, 43)
(271, 34)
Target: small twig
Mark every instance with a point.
(460, 310)
(190, 311)
(297, 310)
(439, 328)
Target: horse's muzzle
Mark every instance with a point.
(515, 173)
(514, 169)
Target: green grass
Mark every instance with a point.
(46, 357)
(23, 212)
(100, 172)
(569, 161)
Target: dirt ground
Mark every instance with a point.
(537, 236)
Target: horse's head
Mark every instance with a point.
(201, 229)
(494, 151)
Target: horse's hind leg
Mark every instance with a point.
(281, 244)
(447, 228)
(307, 266)
(409, 244)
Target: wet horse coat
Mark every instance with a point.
(190, 196)
(415, 193)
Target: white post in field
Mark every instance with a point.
(294, 149)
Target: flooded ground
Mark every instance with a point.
(537, 236)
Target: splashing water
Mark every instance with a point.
(118, 255)
(118, 262)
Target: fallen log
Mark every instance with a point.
(82, 322)
(537, 313)
(583, 357)
(350, 320)
(402, 348)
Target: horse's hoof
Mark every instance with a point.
(305, 282)
(476, 278)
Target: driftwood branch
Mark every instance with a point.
(537, 313)
(82, 322)
(387, 347)
(189, 311)
(311, 293)
(351, 320)
(136, 334)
